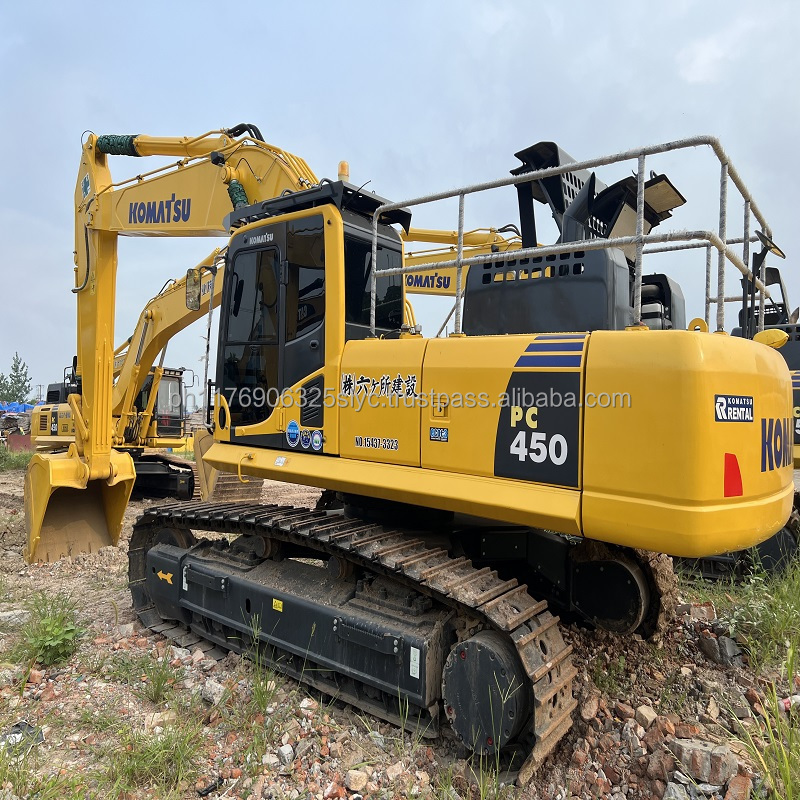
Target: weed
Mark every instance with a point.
(149, 678)
(53, 632)
(19, 774)
(10, 459)
(776, 746)
(610, 677)
(763, 610)
(158, 762)
(674, 694)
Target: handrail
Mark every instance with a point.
(718, 240)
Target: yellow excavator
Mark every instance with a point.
(147, 397)
(481, 476)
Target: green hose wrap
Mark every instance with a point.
(237, 194)
(117, 145)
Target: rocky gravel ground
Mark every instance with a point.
(131, 715)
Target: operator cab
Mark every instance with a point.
(581, 290)
(288, 278)
(168, 410)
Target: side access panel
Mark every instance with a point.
(380, 394)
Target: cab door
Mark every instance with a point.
(273, 335)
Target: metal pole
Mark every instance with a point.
(723, 222)
(373, 277)
(746, 255)
(761, 294)
(459, 263)
(708, 285)
(208, 341)
(446, 320)
(637, 283)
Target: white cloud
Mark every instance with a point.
(705, 60)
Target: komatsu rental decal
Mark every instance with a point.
(733, 408)
(776, 444)
(154, 212)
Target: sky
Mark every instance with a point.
(419, 97)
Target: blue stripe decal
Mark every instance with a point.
(554, 347)
(549, 361)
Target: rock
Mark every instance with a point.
(303, 746)
(729, 652)
(624, 711)
(724, 765)
(286, 754)
(705, 762)
(675, 791)
(709, 789)
(377, 739)
(35, 676)
(394, 771)
(710, 647)
(212, 691)
(686, 730)
(270, 760)
(590, 707)
(739, 788)
(158, 719)
(741, 708)
(660, 765)
(333, 790)
(197, 656)
(356, 780)
(752, 696)
(14, 618)
(646, 716)
(695, 756)
(180, 653)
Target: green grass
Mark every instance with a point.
(13, 460)
(149, 678)
(774, 746)
(19, 773)
(160, 763)
(53, 632)
(610, 678)
(763, 611)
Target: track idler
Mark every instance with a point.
(485, 691)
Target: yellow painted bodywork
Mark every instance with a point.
(188, 198)
(442, 281)
(650, 474)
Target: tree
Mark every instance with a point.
(16, 387)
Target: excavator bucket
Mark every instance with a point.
(206, 474)
(66, 513)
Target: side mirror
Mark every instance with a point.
(772, 337)
(193, 289)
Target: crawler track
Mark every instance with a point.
(478, 598)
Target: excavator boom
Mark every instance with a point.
(75, 501)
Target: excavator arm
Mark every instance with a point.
(442, 281)
(162, 318)
(75, 501)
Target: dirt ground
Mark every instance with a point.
(607, 753)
